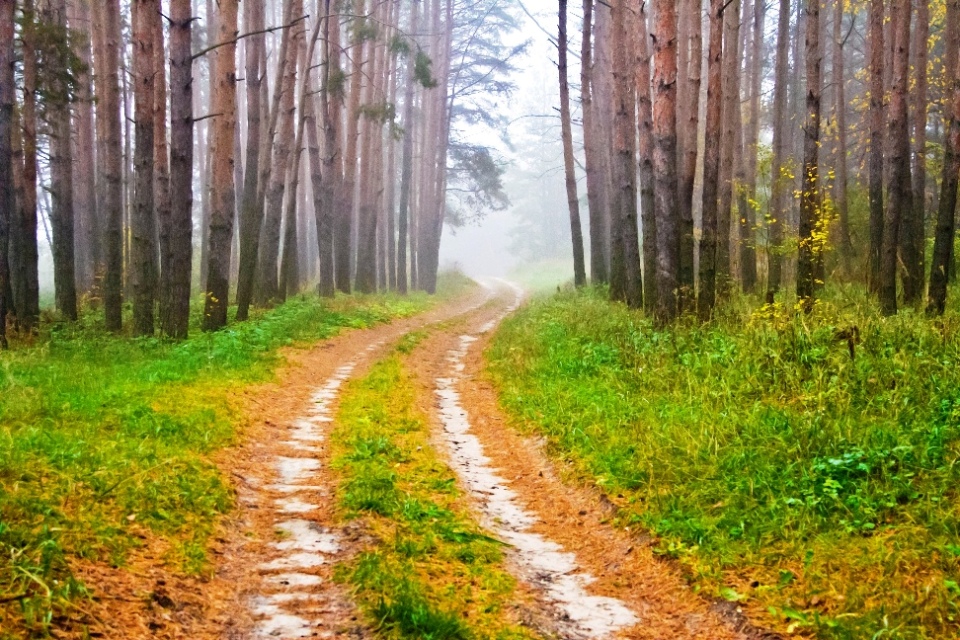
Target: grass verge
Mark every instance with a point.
(105, 442)
(815, 485)
(431, 573)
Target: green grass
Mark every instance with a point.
(432, 573)
(820, 491)
(105, 440)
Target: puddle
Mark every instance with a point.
(543, 563)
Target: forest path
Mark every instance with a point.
(281, 544)
(588, 578)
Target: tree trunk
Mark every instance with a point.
(161, 161)
(143, 227)
(748, 220)
(711, 165)
(946, 210)
(899, 188)
(665, 158)
(329, 105)
(598, 262)
(648, 218)
(406, 164)
(877, 118)
(812, 232)
(840, 113)
(175, 321)
(688, 162)
(251, 212)
(7, 99)
(86, 220)
(913, 245)
(731, 112)
(61, 171)
(343, 233)
(780, 182)
(28, 268)
(224, 193)
(573, 204)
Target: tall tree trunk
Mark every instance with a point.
(665, 158)
(899, 188)
(344, 225)
(251, 212)
(598, 262)
(224, 192)
(406, 163)
(29, 312)
(7, 99)
(86, 221)
(648, 219)
(731, 112)
(161, 161)
(573, 204)
(326, 214)
(748, 219)
(877, 118)
(688, 161)
(61, 172)
(711, 165)
(269, 250)
(366, 269)
(947, 207)
(840, 114)
(811, 223)
(623, 212)
(143, 227)
(912, 225)
(601, 84)
(175, 322)
(780, 183)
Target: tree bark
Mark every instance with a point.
(161, 161)
(648, 217)
(665, 158)
(223, 207)
(899, 193)
(731, 112)
(947, 206)
(688, 161)
(7, 99)
(406, 164)
(913, 244)
(251, 212)
(812, 231)
(598, 261)
(344, 224)
(28, 267)
(877, 118)
(86, 221)
(711, 165)
(573, 204)
(780, 181)
(331, 170)
(175, 322)
(748, 220)
(840, 113)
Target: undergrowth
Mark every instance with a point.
(805, 466)
(431, 572)
(105, 443)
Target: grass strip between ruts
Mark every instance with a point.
(431, 572)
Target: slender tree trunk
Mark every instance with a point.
(61, 174)
(406, 163)
(899, 188)
(161, 162)
(840, 113)
(912, 225)
(688, 166)
(811, 222)
(576, 232)
(598, 263)
(29, 312)
(86, 221)
(648, 219)
(780, 182)
(877, 118)
(601, 84)
(175, 322)
(344, 227)
(251, 212)
(665, 158)
(7, 99)
(711, 165)
(224, 191)
(326, 214)
(731, 112)
(946, 210)
(366, 270)
(143, 227)
(748, 219)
